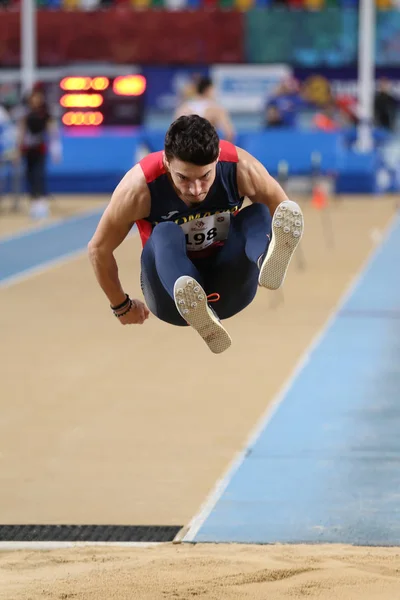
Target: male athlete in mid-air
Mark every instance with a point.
(199, 246)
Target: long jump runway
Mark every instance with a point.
(120, 434)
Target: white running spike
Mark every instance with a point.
(283, 243)
(200, 316)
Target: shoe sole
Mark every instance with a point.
(191, 303)
(287, 231)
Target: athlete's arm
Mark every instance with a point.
(129, 203)
(256, 183)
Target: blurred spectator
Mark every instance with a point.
(348, 107)
(287, 101)
(37, 135)
(385, 106)
(273, 117)
(8, 154)
(189, 90)
(327, 119)
(6, 132)
(205, 105)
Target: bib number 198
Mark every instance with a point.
(199, 238)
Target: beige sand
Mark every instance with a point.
(209, 572)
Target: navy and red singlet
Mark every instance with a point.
(205, 226)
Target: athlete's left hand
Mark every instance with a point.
(137, 315)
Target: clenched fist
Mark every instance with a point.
(136, 315)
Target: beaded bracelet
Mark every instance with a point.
(118, 315)
(124, 303)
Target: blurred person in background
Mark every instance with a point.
(37, 136)
(328, 117)
(287, 101)
(199, 244)
(203, 103)
(189, 90)
(385, 106)
(6, 133)
(7, 146)
(348, 108)
(273, 117)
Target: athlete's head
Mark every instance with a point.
(191, 154)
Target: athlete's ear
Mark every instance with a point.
(219, 153)
(165, 161)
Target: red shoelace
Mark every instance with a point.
(213, 297)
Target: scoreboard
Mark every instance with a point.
(94, 101)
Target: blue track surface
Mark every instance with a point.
(23, 252)
(326, 468)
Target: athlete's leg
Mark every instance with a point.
(258, 251)
(172, 286)
(163, 261)
(235, 270)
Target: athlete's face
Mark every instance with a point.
(191, 181)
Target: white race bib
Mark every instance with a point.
(201, 233)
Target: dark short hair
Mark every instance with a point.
(192, 139)
(203, 84)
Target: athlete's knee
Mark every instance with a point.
(164, 311)
(256, 208)
(167, 230)
(157, 299)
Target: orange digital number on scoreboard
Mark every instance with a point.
(82, 84)
(129, 85)
(121, 100)
(82, 118)
(81, 100)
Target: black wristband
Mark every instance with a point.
(124, 303)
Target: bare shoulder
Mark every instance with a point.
(251, 174)
(131, 197)
(256, 183)
(130, 202)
